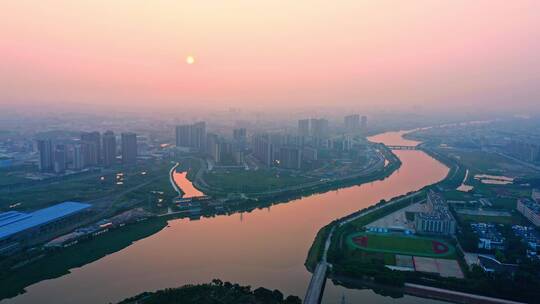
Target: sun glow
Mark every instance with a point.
(190, 60)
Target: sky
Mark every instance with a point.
(356, 54)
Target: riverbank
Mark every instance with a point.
(60, 261)
(474, 288)
(362, 217)
(214, 292)
(377, 171)
(56, 263)
(262, 247)
(384, 154)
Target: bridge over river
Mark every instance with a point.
(316, 285)
(394, 147)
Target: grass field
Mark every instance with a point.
(487, 219)
(400, 244)
(239, 180)
(485, 162)
(514, 219)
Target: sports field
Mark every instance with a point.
(398, 243)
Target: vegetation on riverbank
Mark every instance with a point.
(309, 188)
(59, 261)
(213, 293)
(317, 248)
(370, 267)
(15, 275)
(242, 181)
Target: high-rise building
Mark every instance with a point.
(290, 157)
(240, 139)
(91, 143)
(46, 157)
(352, 122)
(238, 157)
(198, 135)
(263, 149)
(363, 123)
(303, 127)
(309, 154)
(109, 148)
(78, 158)
(212, 147)
(528, 151)
(343, 144)
(240, 135)
(191, 136)
(183, 135)
(60, 157)
(319, 127)
(129, 148)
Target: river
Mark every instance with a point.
(266, 247)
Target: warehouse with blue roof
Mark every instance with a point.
(18, 229)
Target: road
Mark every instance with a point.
(316, 285)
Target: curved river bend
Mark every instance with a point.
(266, 247)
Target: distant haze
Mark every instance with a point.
(355, 54)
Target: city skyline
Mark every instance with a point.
(269, 152)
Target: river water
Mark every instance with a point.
(180, 179)
(266, 247)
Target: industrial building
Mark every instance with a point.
(20, 229)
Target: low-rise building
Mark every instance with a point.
(489, 237)
(536, 195)
(530, 236)
(437, 219)
(530, 209)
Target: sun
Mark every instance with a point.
(190, 60)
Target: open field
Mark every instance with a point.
(443, 267)
(9, 176)
(239, 180)
(401, 244)
(485, 162)
(489, 216)
(487, 219)
(84, 187)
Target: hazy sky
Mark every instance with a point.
(277, 53)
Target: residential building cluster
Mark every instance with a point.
(284, 150)
(524, 149)
(489, 237)
(194, 137)
(531, 237)
(530, 208)
(91, 150)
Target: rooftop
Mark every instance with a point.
(13, 222)
(531, 205)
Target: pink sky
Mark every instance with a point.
(349, 53)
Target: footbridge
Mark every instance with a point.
(397, 147)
